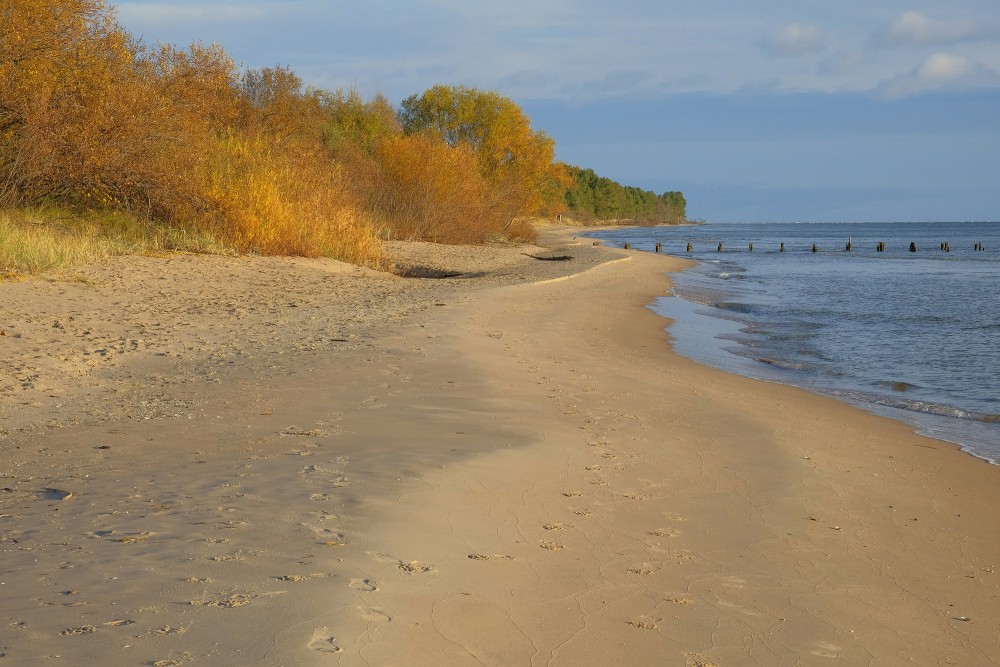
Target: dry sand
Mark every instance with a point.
(257, 461)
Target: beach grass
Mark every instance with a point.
(43, 240)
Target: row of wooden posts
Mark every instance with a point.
(945, 246)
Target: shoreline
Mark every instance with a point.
(522, 472)
(740, 348)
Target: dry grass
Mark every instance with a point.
(35, 241)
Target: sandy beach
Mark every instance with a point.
(267, 461)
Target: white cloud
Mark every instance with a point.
(914, 28)
(794, 39)
(158, 13)
(940, 71)
(560, 49)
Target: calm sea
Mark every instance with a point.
(911, 335)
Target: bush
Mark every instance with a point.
(426, 190)
(290, 203)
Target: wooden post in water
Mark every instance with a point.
(850, 244)
(782, 248)
(659, 246)
(628, 245)
(815, 249)
(751, 247)
(690, 247)
(720, 246)
(913, 246)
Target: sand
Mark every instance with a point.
(259, 461)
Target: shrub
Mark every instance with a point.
(285, 203)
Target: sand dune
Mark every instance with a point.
(260, 461)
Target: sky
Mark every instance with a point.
(758, 110)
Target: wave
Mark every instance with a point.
(914, 405)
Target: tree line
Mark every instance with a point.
(601, 198)
(93, 119)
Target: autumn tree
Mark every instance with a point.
(351, 121)
(57, 59)
(515, 159)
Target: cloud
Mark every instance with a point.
(158, 13)
(914, 28)
(940, 71)
(794, 39)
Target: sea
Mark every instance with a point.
(911, 332)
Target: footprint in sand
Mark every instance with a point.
(375, 615)
(583, 512)
(556, 526)
(572, 494)
(593, 467)
(296, 431)
(231, 602)
(323, 642)
(490, 557)
(81, 630)
(662, 533)
(171, 662)
(678, 599)
(551, 546)
(640, 570)
(365, 585)
(643, 624)
(414, 567)
(328, 537)
(137, 537)
(698, 660)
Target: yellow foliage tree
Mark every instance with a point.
(515, 159)
(427, 190)
(285, 203)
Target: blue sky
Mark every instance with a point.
(777, 110)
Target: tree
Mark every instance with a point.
(514, 158)
(351, 121)
(594, 196)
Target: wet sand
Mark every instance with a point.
(258, 461)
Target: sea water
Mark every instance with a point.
(914, 335)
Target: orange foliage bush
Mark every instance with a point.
(426, 190)
(271, 202)
(93, 119)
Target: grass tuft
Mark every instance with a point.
(35, 241)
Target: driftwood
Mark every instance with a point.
(555, 258)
